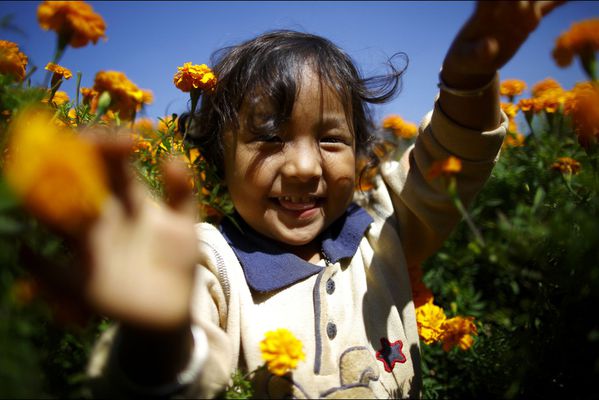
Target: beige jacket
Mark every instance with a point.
(359, 333)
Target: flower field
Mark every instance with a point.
(506, 309)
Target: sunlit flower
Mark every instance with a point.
(430, 319)
(581, 39)
(193, 76)
(566, 165)
(281, 351)
(546, 84)
(144, 127)
(166, 122)
(12, 61)
(126, 97)
(512, 87)
(458, 331)
(60, 98)
(75, 22)
(58, 73)
(399, 127)
(58, 175)
(510, 109)
(447, 167)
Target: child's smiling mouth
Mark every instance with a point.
(299, 206)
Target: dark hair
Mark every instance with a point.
(268, 68)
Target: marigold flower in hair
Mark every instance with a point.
(193, 76)
(458, 331)
(281, 351)
(566, 165)
(58, 175)
(12, 61)
(75, 22)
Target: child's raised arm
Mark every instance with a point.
(486, 42)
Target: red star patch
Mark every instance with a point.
(391, 354)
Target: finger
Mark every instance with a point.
(178, 187)
(545, 7)
(116, 152)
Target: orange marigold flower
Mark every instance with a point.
(583, 107)
(546, 84)
(430, 319)
(281, 351)
(458, 331)
(365, 175)
(581, 39)
(12, 61)
(399, 127)
(192, 76)
(126, 97)
(58, 71)
(566, 165)
(512, 87)
(526, 105)
(59, 176)
(75, 21)
(420, 293)
(449, 166)
(60, 98)
(510, 109)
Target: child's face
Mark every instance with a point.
(294, 184)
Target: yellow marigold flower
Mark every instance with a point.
(58, 71)
(60, 98)
(399, 127)
(458, 331)
(566, 165)
(546, 84)
(430, 319)
(193, 76)
(126, 97)
(12, 61)
(281, 351)
(581, 39)
(510, 109)
(448, 167)
(58, 175)
(75, 21)
(512, 87)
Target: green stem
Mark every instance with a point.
(195, 97)
(567, 179)
(452, 190)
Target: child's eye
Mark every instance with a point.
(334, 139)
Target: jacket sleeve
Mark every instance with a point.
(421, 209)
(210, 364)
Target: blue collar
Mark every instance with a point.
(267, 266)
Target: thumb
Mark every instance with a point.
(178, 186)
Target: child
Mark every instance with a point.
(284, 126)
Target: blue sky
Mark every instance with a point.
(148, 40)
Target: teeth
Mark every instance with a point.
(298, 199)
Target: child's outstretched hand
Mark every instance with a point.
(490, 38)
(141, 255)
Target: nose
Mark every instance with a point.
(303, 162)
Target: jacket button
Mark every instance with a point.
(331, 330)
(330, 286)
